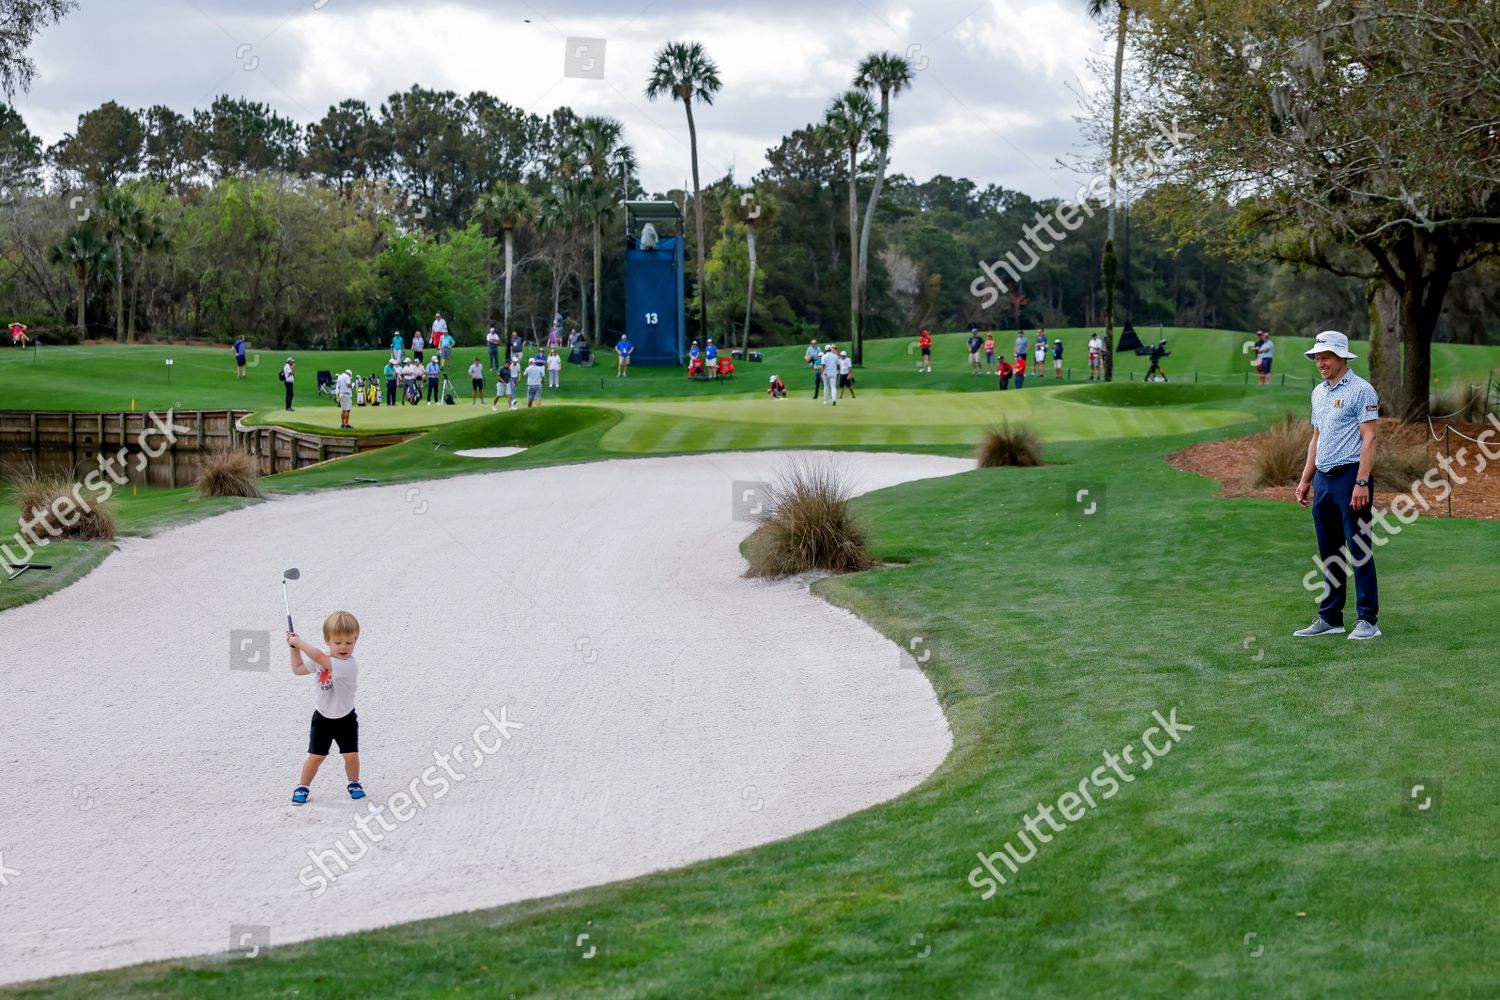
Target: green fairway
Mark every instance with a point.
(1275, 852)
(113, 377)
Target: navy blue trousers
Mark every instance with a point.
(1338, 524)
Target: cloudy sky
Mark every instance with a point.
(995, 97)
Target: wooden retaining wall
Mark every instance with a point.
(69, 443)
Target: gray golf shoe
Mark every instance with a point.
(1319, 627)
(1364, 630)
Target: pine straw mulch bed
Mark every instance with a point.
(1479, 497)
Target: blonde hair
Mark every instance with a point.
(340, 625)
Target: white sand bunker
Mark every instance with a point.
(672, 710)
(489, 452)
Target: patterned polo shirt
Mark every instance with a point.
(1337, 412)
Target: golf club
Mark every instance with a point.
(292, 574)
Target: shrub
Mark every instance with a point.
(806, 523)
(1007, 444)
(227, 472)
(35, 493)
(1401, 457)
(1278, 456)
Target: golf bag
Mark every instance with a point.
(325, 383)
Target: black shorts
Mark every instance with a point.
(326, 732)
(478, 384)
(926, 352)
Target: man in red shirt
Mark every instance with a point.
(925, 343)
(1020, 370)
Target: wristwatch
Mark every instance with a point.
(1361, 482)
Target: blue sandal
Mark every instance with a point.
(299, 795)
(356, 790)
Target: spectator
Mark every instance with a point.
(534, 374)
(554, 369)
(1264, 352)
(447, 348)
(811, 356)
(289, 375)
(557, 324)
(830, 362)
(239, 356)
(515, 343)
(1057, 352)
(1096, 355)
(18, 336)
(515, 378)
(623, 350)
(710, 360)
(390, 383)
(503, 388)
(975, 343)
(439, 328)
(434, 374)
(1004, 373)
(492, 339)
(989, 352)
(343, 390)
(1041, 353)
(476, 381)
(409, 375)
(416, 346)
(1021, 343)
(778, 388)
(846, 375)
(1020, 369)
(554, 337)
(397, 346)
(695, 360)
(925, 343)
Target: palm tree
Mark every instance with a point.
(1097, 9)
(119, 216)
(597, 143)
(852, 121)
(890, 74)
(149, 235)
(562, 212)
(507, 206)
(749, 209)
(85, 251)
(685, 71)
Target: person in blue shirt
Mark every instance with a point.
(434, 372)
(239, 358)
(695, 361)
(447, 349)
(390, 383)
(711, 360)
(397, 346)
(622, 357)
(1021, 345)
(1057, 350)
(1336, 485)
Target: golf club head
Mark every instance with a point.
(292, 574)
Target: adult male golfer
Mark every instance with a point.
(1336, 482)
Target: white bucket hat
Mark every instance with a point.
(1332, 341)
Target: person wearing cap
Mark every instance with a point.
(397, 346)
(778, 388)
(846, 375)
(288, 374)
(1265, 352)
(343, 391)
(710, 360)
(924, 342)
(1336, 484)
(695, 362)
(1057, 353)
(812, 356)
(434, 376)
(439, 327)
(623, 350)
(830, 362)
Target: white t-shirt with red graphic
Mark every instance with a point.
(336, 686)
